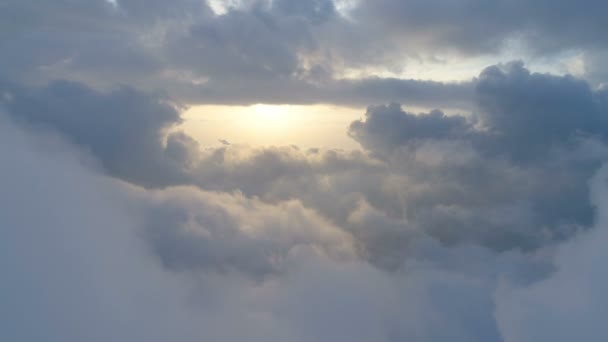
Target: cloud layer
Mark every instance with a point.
(76, 268)
(481, 218)
(499, 177)
(291, 51)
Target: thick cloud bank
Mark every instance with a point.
(567, 305)
(511, 175)
(292, 51)
(72, 267)
(76, 269)
(482, 220)
(484, 227)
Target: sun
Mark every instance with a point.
(269, 116)
(271, 125)
(262, 124)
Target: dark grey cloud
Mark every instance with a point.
(281, 51)
(529, 129)
(43, 40)
(532, 113)
(249, 45)
(124, 128)
(316, 11)
(355, 92)
(263, 53)
(387, 127)
(473, 27)
(594, 70)
(518, 113)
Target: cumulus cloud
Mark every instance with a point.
(76, 269)
(478, 226)
(89, 276)
(442, 221)
(250, 54)
(124, 128)
(567, 305)
(499, 177)
(526, 125)
(72, 268)
(79, 254)
(511, 175)
(389, 127)
(281, 51)
(194, 230)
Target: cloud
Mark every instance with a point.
(282, 51)
(525, 125)
(316, 11)
(473, 27)
(511, 176)
(532, 113)
(423, 174)
(567, 305)
(73, 270)
(76, 269)
(481, 226)
(193, 230)
(518, 113)
(347, 92)
(388, 127)
(124, 128)
(91, 257)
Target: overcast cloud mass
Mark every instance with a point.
(475, 207)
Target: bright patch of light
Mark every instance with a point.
(345, 6)
(266, 125)
(270, 116)
(219, 7)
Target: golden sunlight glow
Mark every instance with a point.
(265, 125)
(270, 117)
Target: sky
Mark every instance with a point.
(303, 170)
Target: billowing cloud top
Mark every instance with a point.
(474, 209)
